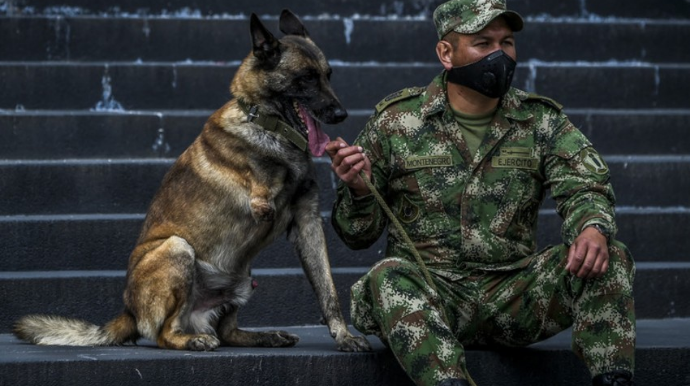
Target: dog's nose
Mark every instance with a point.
(339, 114)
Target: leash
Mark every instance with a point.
(408, 241)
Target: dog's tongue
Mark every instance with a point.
(317, 138)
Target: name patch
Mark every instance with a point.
(515, 162)
(431, 161)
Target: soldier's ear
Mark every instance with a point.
(444, 51)
(291, 24)
(265, 46)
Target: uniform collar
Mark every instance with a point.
(436, 101)
(510, 108)
(511, 105)
(435, 98)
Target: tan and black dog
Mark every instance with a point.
(246, 179)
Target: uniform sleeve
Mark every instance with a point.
(360, 221)
(579, 181)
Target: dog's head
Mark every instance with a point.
(289, 77)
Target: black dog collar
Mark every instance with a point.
(274, 124)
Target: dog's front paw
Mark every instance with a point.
(262, 210)
(351, 343)
(203, 342)
(280, 339)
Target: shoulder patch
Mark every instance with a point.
(545, 100)
(398, 96)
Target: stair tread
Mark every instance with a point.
(314, 340)
(71, 274)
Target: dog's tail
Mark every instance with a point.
(61, 331)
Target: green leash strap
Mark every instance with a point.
(408, 241)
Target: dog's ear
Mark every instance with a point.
(266, 47)
(291, 25)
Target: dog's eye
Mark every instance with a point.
(310, 78)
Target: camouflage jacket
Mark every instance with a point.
(478, 210)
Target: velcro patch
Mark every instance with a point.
(432, 161)
(516, 152)
(593, 161)
(528, 163)
(398, 96)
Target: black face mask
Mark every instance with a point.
(490, 76)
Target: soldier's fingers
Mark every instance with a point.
(347, 162)
(584, 268)
(353, 179)
(346, 152)
(575, 258)
(605, 266)
(356, 168)
(588, 261)
(601, 265)
(589, 266)
(337, 160)
(334, 146)
(353, 159)
(349, 170)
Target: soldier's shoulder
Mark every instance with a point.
(397, 97)
(548, 102)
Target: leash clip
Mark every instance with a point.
(253, 113)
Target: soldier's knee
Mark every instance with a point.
(388, 265)
(621, 271)
(620, 255)
(392, 276)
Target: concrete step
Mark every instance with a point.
(68, 226)
(195, 85)
(342, 39)
(677, 9)
(81, 186)
(284, 296)
(60, 134)
(98, 242)
(661, 359)
(195, 9)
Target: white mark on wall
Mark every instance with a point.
(349, 25)
(146, 29)
(107, 102)
(531, 81)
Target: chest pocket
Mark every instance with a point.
(418, 200)
(517, 214)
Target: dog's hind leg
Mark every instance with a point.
(231, 335)
(160, 294)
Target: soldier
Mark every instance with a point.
(464, 164)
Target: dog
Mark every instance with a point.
(244, 181)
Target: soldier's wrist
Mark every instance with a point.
(601, 229)
(358, 193)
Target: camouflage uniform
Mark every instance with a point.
(473, 219)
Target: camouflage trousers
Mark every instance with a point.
(515, 308)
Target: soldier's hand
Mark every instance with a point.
(588, 257)
(346, 162)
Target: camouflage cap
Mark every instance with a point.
(471, 16)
